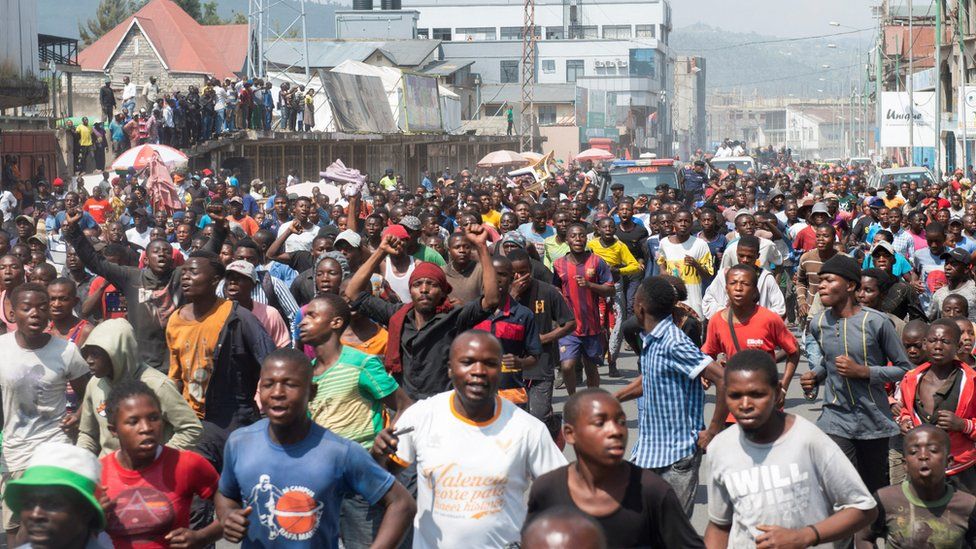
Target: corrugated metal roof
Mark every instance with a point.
(541, 93)
(445, 68)
(326, 54)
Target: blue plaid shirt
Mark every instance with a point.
(673, 403)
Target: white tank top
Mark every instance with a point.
(400, 284)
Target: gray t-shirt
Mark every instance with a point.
(34, 384)
(800, 479)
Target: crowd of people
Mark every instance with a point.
(135, 115)
(378, 369)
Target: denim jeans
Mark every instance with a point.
(219, 125)
(129, 106)
(206, 126)
(359, 522)
(682, 475)
(267, 118)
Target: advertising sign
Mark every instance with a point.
(900, 119)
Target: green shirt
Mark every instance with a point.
(348, 399)
(430, 255)
(554, 250)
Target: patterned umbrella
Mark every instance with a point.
(139, 157)
(594, 155)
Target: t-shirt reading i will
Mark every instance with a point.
(801, 478)
(34, 383)
(151, 503)
(472, 477)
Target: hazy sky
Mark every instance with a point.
(787, 18)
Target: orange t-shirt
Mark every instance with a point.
(375, 345)
(191, 350)
(98, 209)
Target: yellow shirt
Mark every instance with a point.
(84, 135)
(616, 255)
(494, 217)
(896, 202)
(191, 351)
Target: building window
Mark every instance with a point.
(511, 33)
(555, 33)
(574, 69)
(548, 65)
(589, 32)
(423, 33)
(547, 115)
(509, 70)
(644, 31)
(442, 34)
(475, 33)
(642, 62)
(616, 32)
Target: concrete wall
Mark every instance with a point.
(390, 24)
(564, 140)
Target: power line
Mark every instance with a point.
(780, 40)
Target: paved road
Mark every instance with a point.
(795, 403)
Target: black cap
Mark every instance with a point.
(959, 255)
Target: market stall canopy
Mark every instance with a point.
(140, 156)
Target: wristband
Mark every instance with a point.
(816, 533)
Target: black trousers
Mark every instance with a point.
(870, 458)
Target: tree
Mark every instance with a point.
(238, 19)
(210, 16)
(110, 13)
(193, 8)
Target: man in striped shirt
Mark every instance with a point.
(671, 434)
(584, 279)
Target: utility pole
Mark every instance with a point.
(937, 161)
(527, 78)
(962, 86)
(911, 86)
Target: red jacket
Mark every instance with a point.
(962, 447)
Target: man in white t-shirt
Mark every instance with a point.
(476, 453)
(140, 235)
(36, 371)
(303, 230)
(775, 479)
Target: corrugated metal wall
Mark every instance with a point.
(18, 36)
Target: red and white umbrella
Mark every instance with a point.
(139, 157)
(594, 155)
(502, 158)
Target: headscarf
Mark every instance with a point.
(394, 360)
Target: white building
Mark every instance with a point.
(619, 47)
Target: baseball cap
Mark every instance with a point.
(410, 222)
(350, 237)
(819, 207)
(24, 218)
(242, 267)
(397, 231)
(883, 245)
(236, 199)
(742, 212)
(955, 220)
(957, 254)
(875, 202)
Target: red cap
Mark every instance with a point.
(397, 231)
(58, 182)
(207, 172)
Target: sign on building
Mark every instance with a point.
(903, 123)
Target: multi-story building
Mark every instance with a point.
(690, 122)
(616, 50)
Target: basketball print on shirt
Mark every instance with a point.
(292, 512)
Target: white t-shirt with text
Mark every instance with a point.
(472, 477)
